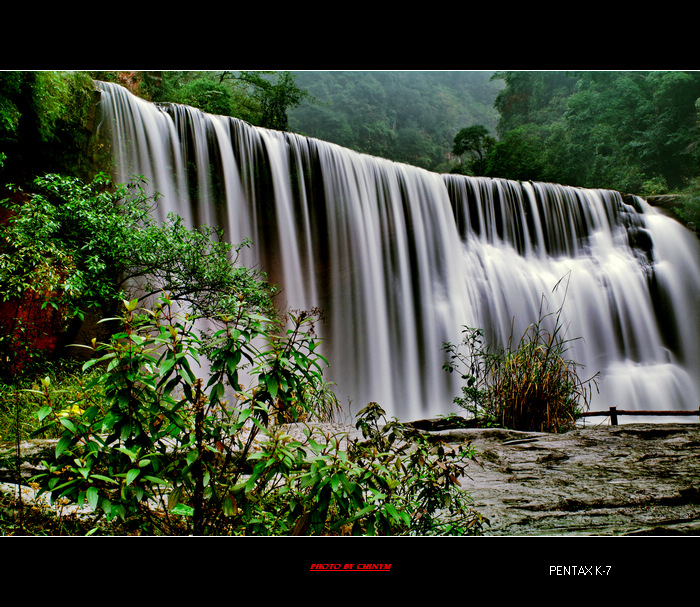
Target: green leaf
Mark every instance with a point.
(68, 424)
(216, 393)
(92, 497)
(349, 487)
(250, 483)
(62, 444)
(228, 506)
(183, 510)
(131, 305)
(166, 366)
(393, 512)
(91, 413)
(233, 360)
(107, 479)
(174, 497)
(335, 483)
(192, 456)
(39, 392)
(316, 446)
(43, 412)
(131, 475)
(156, 480)
(125, 434)
(272, 385)
(131, 454)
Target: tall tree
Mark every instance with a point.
(532, 98)
(275, 96)
(476, 142)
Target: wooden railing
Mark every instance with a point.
(614, 412)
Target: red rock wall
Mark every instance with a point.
(27, 326)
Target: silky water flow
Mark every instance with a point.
(400, 259)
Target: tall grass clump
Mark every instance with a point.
(526, 385)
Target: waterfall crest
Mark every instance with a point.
(400, 259)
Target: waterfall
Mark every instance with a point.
(401, 259)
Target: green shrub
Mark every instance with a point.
(62, 382)
(97, 239)
(530, 386)
(415, 477)
(81, 248)
(10, 113)
(169, 452)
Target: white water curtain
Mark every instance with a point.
(400, 259)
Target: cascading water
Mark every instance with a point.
(401, 259)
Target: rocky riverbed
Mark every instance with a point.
(632, 479)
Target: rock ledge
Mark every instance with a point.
(634, 479)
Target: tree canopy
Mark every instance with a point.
(405, 116)
(476, 142)
(262, 98)
(631, 131)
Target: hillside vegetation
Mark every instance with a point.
(409, 117)
(632, 131)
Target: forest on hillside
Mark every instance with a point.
(408, 116)
(632, 131)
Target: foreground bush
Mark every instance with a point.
(169, 452)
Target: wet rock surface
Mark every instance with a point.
(632, 479)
